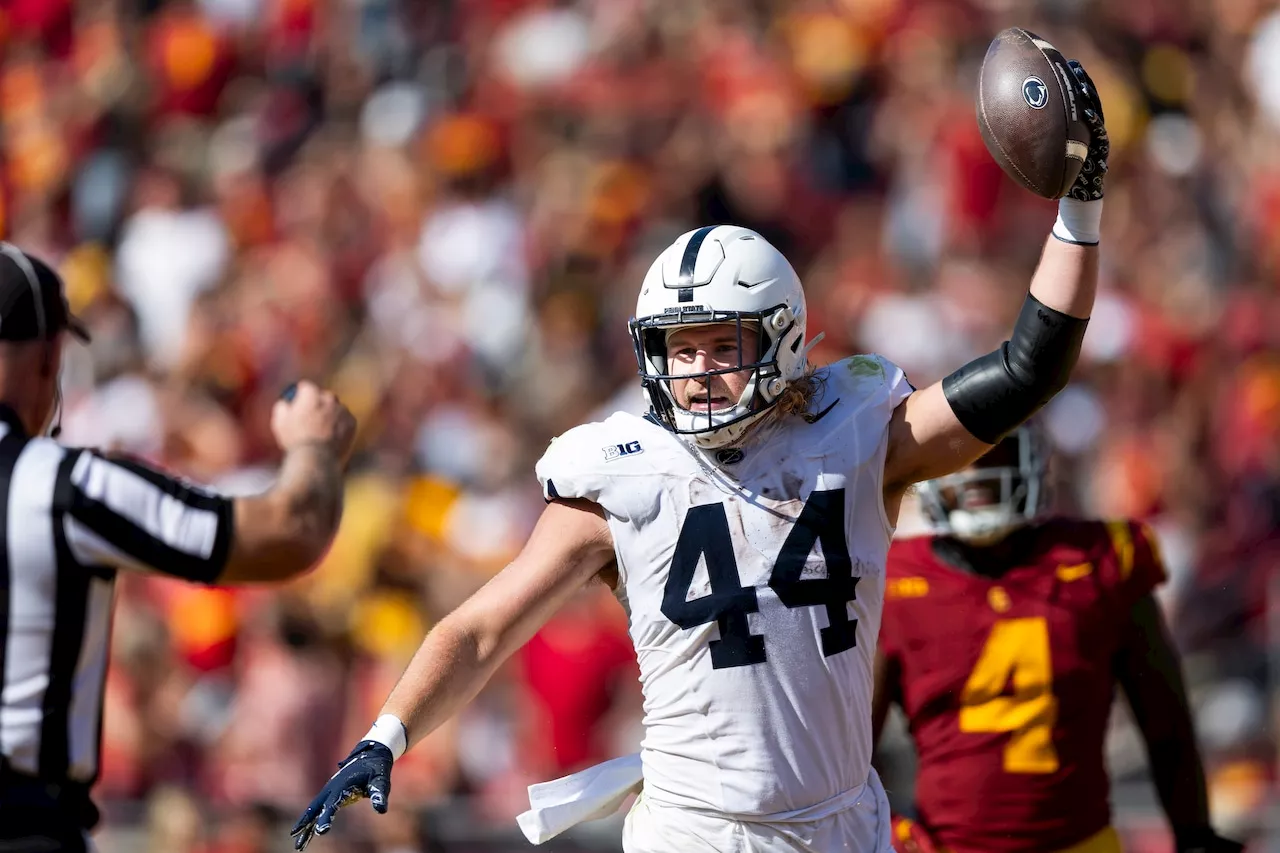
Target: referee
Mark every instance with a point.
(70, 519)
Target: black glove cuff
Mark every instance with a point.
(363, 747)
(1202, 839)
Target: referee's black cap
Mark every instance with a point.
(33, 306)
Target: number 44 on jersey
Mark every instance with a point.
(705, 534)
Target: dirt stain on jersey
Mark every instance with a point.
(792, 483)
(865, 365)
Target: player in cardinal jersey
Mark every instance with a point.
(749, 517)
(1004, 636)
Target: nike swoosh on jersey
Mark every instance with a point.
(823, 413)
(1066, 574)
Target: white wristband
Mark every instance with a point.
(391, 733)
(1078, 221)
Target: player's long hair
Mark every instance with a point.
(800, 393)
(796, 399)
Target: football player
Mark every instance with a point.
(1005, 633)
(749, 517)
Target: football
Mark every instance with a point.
(1028, 114)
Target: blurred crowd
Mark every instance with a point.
(443, 209)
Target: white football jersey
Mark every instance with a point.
(753, 590)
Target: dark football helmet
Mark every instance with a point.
(1000, 492)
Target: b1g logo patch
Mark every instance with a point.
(1035, 93)
(617, 451)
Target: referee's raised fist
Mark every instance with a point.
(308, 414)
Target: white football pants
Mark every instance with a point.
(854, 822)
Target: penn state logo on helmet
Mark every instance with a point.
(1035, 93)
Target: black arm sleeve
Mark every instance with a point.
(994, 394)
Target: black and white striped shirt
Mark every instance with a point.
(68, 520)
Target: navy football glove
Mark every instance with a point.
(1093, 174)
(366, 772)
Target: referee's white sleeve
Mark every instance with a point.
(120, 513)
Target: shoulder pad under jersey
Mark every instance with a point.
(866, 380)
(582, 462)
(856, 399)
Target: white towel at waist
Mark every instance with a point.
(589, 794)
(599, 791)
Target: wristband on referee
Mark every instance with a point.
(1079, 222)
(389, 731)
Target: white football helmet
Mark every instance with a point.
(1010, 488)
(720, 274)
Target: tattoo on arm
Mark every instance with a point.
(311, 478)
